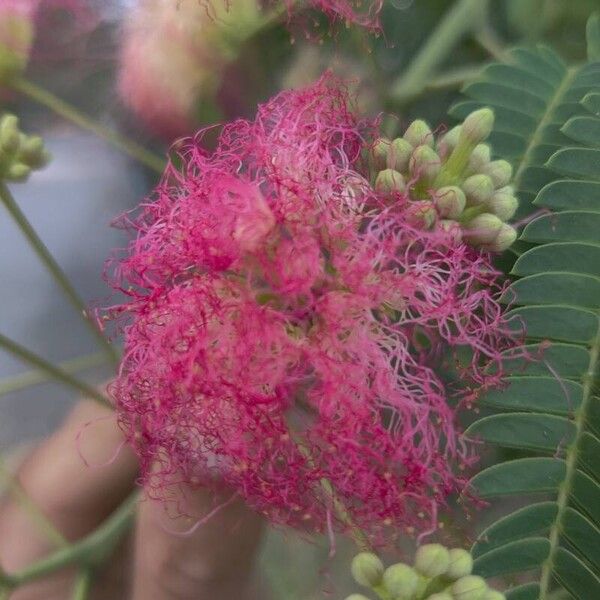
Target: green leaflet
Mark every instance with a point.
(548, 127)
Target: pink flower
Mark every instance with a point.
(286, 326)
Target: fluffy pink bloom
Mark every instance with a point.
(285, 327)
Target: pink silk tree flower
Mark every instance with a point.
(290, 333)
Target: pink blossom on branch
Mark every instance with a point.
(286, 325)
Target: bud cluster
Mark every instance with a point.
(438, 573)
(20, 154)
(451, 183)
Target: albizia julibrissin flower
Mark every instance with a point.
(287, 329)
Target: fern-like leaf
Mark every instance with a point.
(548, 126)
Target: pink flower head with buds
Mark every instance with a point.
(290, 333)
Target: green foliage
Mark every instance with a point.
(548, 127)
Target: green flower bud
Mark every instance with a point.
(448, 141)
(471, 587)
(461, 564)
(452, 227)
(504, 239)
(440, 596)
(500, 171)
(389, 181)
(379, 153)
(432, 560)
(367, 569)
(493, 595)
(477, 126)
(419, 133)
(424, 163)
(450, 201)
(422, 213)
(503, 203)
(482, 229)
(356, 597)
(9, 134)
(401, 581)
(32, 151)
(479, 159)
(399, 154)
(18, 172)
(478, 188)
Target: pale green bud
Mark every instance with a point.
(478, 189)
(448, 141)
(493, 595)
(32, 152)
(471, 587)
(422, 213)
(450, 201)
(418, 134)
(432, 560)
(9, 133)
(379, 153)
(424, 163)
(452, 227)
(367, 569)
(482, 229)
(440, 596)
(401, 581)
(18, 172)
(504, 239)
(500, 171)
(399, 154)
(389, 181)
(477, 126)
(356, 597)
(479, 159)
(503, 203)
(461, 564)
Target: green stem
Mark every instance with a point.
(455, 78)
(89, 552)
(455, 24)
(51, 370)
(35, 377)
(83, 585)
(72, 114)
(33, 510)
(53, 268)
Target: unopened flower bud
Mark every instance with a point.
(448, 141)
(32, 152)
(479, 159)
(450, 201)
(471, 587)
(500, 171)
(424, 163)
(422, 213)
(461, 563)
(482, 229)
(418, 134)
(9, 133)
(399, 154)
(356, 597)
(478, 188)
(401, 581)
(432, 560)
(367, 569)
(477, 126)
(451, 227)
(18, 172)
(503, 203)
(389, 181)
(504, 239)
(379, 152)
(440, 596)
(493, 595)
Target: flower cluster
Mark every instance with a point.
(292, 333)
(437, 574)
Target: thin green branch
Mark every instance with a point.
(90, 552)
(455, 78)
(487, 38)
(72, 114)
(53, 268)
(461, 18)
(34, 512)
(83, 585)
(36, 377)
(52, 371)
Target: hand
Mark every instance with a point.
(214, 562)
